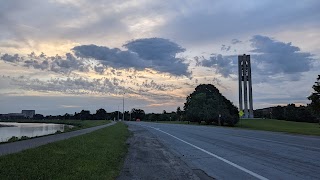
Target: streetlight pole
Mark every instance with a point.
(123, 107)
(118, 113)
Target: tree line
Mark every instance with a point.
(291, 112)
(100, 114)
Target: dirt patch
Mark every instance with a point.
(148, 158)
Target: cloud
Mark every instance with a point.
(235, 41)
(223, 65)
(225, 48)
(197, 24)
(11, 58)
(161, 87)
(111, 57)
(155, 53)
(274, 57)
(102, 86)
(68, 64)
(36, 64)
(270, 57)
(56, 63)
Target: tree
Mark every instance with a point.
(85, 115)
(179, 113)
(206, 103)
(101, 114)
(315, 98)
(137, 114)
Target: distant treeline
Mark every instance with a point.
(100, 114)
(291, 112)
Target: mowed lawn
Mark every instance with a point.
(97, 155)
(267, 125)
(280, 126)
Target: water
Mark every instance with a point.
(28, 129)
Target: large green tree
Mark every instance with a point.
(101, 114)
(206, 103)
(137, 114)
(315, 97)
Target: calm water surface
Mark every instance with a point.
(28, 129)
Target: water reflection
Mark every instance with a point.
(28, 129)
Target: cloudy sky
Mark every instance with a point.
(62, 56)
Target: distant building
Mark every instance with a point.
(28, 113)
(22, 115)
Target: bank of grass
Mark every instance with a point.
(280, 126)
(97, 155)
(76, 125)
(268, 125)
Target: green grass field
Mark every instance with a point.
(280, 126)
(97, 155)
(268, 125)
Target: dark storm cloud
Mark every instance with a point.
(278, 57)
(156, 53)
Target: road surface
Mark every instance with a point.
(226, 153)
(18, 146)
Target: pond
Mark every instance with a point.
(9, 129)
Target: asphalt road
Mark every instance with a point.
(14, 147)
(229, 153)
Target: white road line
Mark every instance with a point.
(214, 155)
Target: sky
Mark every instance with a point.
(62, 56)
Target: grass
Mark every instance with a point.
(268, 125)
(97, 155)
(281, 126)
(77, 125)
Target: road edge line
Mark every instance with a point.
(214, 155)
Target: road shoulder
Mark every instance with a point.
(148, 158)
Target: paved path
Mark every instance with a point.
(14, 147)
(228, 153)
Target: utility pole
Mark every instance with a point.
(118, 113)
(123, 107)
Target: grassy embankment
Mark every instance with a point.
(97, 155)
(269, 125)
(280, 126)
(77, 124)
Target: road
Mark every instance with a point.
(18, 146)
(230, 153)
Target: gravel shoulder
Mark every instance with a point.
(148, 158)
(14, 147)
